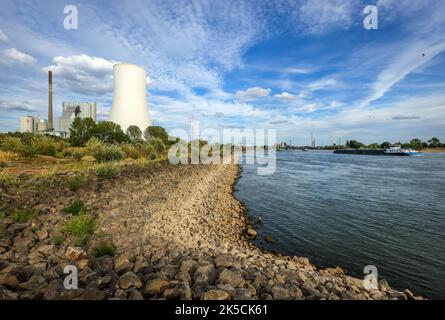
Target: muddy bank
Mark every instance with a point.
(178, 232)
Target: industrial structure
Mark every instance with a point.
(72, 110)
(130, 100)
(50, 100)
(33, 124)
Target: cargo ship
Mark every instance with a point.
(391, 151)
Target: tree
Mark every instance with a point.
(434, 142)
(110, 132)
(134, 134)
(374, 146)
(385, 145)
(81, 131)
(416, 144)
(355, 144)
(156, 132)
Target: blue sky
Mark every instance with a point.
(294, 66)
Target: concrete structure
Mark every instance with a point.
(72, 110)
(50, 100)
(33, 124)
(130, 100)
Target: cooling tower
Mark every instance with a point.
(129, 100)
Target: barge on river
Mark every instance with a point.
(391, 151)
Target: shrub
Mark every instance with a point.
(23, 215)
(78, 155)
(58, 240)
(79, 226)
(76, 208)
(104, 249)
(44, 145)
(131, 151)
(74, 183)
(2, 215)
(105, 153)
(107, 171)
(82, 241)
(8, 180)
(13, 144)
(157, 144)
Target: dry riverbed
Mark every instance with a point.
(178, 232)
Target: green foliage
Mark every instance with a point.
(76, 208)
(416, 144)
(81, 131)
(107, 171)
(58, 240)
(74, 183)
(81, 241)
(157, 145)
(80, 226)
(103, 152)
(434, 143)
(2, 215)
(374, 146)
(131, 151)
(13, 144)
(8, 180)
(109, 132)
(134, 134)
(156, 132)
(385, 145)
(104, 249)
(355, 144)
(23, 215)
(29, 145)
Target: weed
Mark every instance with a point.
(79, 226)
(75, 208)
(104, 249)
(23, 215)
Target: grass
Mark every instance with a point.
(74, 183)
(82, 241)
(23, 215)
(8, 180)
(80, 226)
(104, 249)
(75, 208)
(58, 240)
(107, 171)
(2, 215)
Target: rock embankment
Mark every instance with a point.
(179, 234)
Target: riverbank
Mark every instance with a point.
(178, 233)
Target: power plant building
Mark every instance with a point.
(33, 124)
(130, 98)
(72, 110)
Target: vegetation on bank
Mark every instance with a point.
(413, 144)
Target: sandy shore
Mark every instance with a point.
(179, 233)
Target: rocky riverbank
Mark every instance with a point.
(177, 231)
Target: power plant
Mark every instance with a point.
(50, 100)
(130, 100)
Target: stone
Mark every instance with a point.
(224, 261)
(172, 293)
(82, 264)
(34, 282)
(93, 294)
(183, 276)
(9, 280)
(186, 292)
(280, 293)
(35, 257)
(189, 266)
(122, 264)
(128, 280)
(243, 294)
(216, 295)
(75, 253)
(205, 275)
(47, 249)
(269, 239)
(42, 235)
(156, 287)
(229, 277)
(251, 233)
(52, 291)
(135, 295)
(335, 271)
(409, 294)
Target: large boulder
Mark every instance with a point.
(229, 277)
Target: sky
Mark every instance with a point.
(294, 66)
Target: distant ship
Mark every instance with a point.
(399, 151)
(391, 151)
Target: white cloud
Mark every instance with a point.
(3, 36)
(252, 93)
(16, 55)
(322, 84)
(84, 74)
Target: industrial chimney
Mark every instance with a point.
(130, 100)
(50, 100)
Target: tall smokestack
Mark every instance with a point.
(50, 100)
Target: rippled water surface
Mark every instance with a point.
(356, 210)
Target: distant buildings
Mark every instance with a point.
(72, 110)
(33, 124)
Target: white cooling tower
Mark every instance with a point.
(130, 101)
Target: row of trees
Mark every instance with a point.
(82, 130)
(414, 143)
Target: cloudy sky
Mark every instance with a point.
(295, 66)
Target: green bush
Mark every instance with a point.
(13, 144)
(44, 145)
(157, 144)
(131, 151)
(107, 171)
(78, 155)
(2, 215)
(74, 183)
(23, 215)
(104, 249)
(82, 241)
(76, 208)
(103, 152)
(58, 240)
(79, 226)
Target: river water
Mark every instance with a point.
(356, 210)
